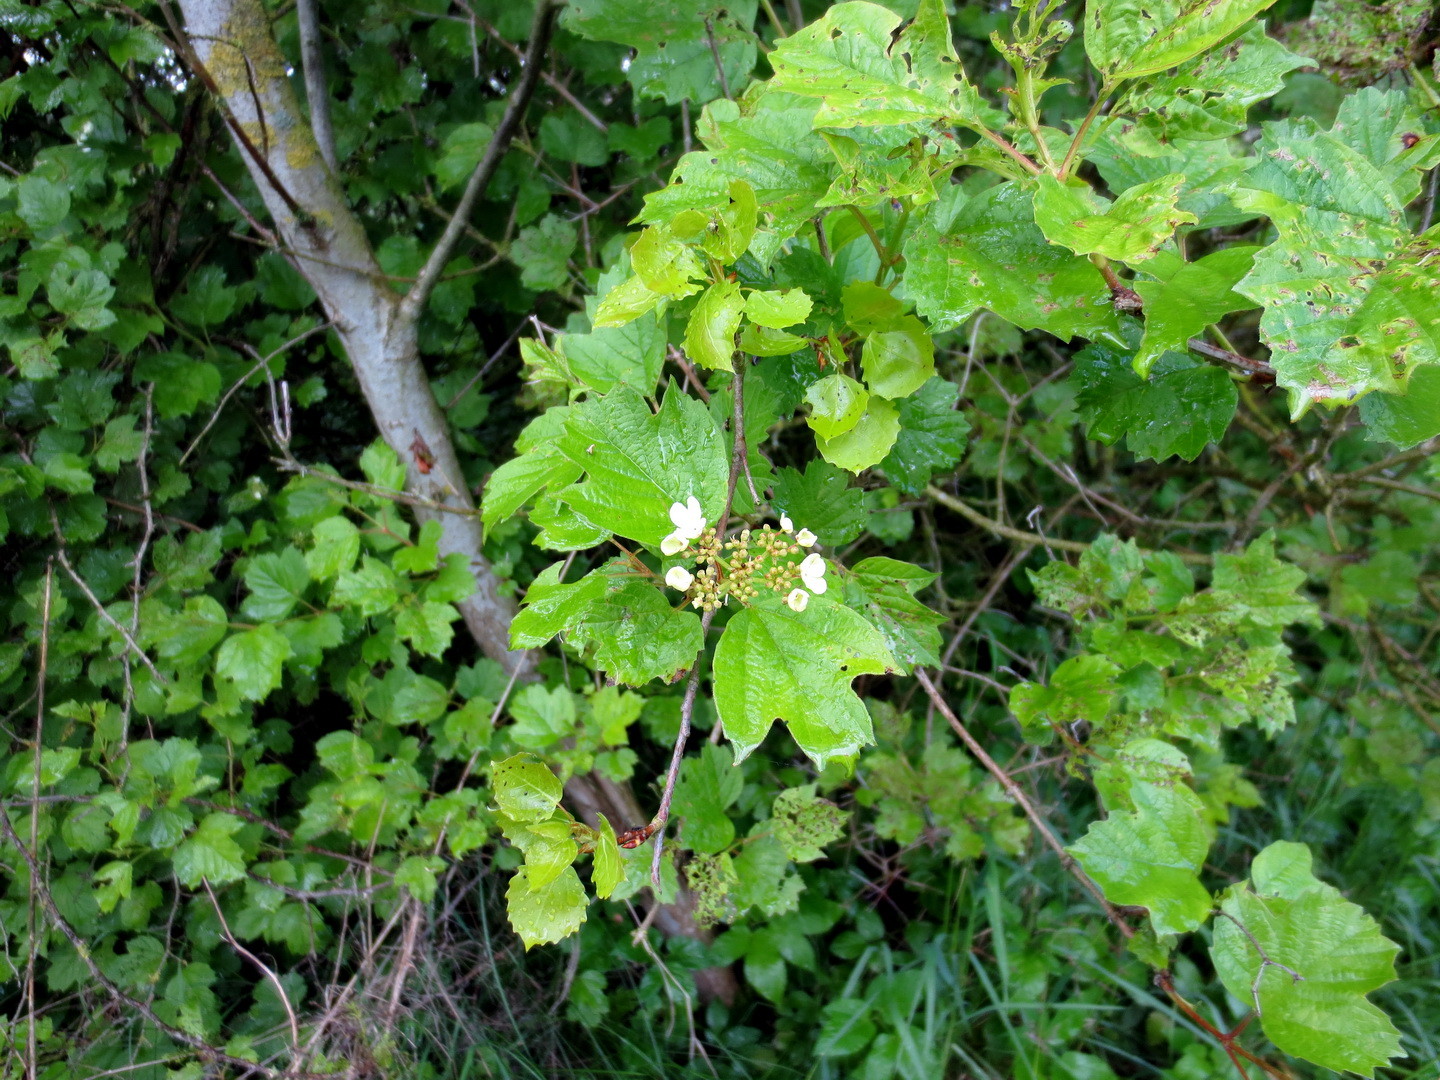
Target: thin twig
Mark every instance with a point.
(290, 464)
(262, 362)
(1023, 801)
(969, 513)
(36, 770)
(715, 52)
(265, 968)
(83, 950)
(138, 579)
(1244, 363)
(130, 641)
(550, 80)
(540, 32)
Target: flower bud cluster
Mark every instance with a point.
(741, 566)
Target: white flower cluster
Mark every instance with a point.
(689, 521)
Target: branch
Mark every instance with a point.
(1023, 801)
(317, 93)
(1244, 363)
(1020, 536)
(541, 30)
(550, 80)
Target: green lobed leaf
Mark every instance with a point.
(665, 264)
(638, 463)
(1127, 39)
(773, 663)
(1131, 229)
(1182, 408)
(637, 635)
(551, 607)
(252, 661)
(1338, 218)
(537, 465)
(209, 853)
(1080, 689)
(1188, 297)
(1151, 857)
(708, 786)
(986, 251)
(821, 499)
(337, 546)
(882, 589)
(276, 581)
(1306, 958)
(867, 70)
(1397, 323)
(543, 250)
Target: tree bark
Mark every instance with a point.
(233, 51)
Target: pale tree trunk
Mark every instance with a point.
(232, 42)
(233, 50)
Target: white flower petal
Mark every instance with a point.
(674, 544)
(812, 573)
(786, 525)
(805, 538)
(688, 517)
(677, 577)
(797, 599)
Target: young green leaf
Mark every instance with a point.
(837, 402)
(710, 333)
(777, 308)
(609, 867)
(868, 442)
(546, 913)
(898, 360)
(525, 788)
